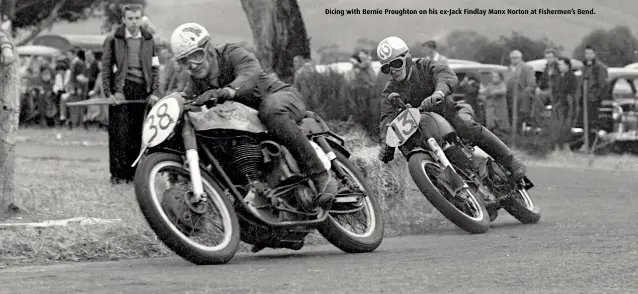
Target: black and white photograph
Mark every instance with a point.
(298, 146)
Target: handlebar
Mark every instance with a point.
(395, 97)
(188, 106)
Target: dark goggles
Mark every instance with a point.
(397, 63)
(196, 57)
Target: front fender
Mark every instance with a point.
(437, 126)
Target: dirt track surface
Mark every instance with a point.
(586, 242)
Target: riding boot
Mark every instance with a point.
(491, 144)
(297, 143)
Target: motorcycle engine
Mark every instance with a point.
(245, 159)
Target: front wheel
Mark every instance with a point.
(345, 234)
(522, 208)
(467, 210)
(162, 186)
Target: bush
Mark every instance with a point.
(333, 98)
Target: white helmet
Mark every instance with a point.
(391, 48)
(187, 38)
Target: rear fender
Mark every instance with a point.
(312, 124)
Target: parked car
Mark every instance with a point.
(617, 116)
(484, 71)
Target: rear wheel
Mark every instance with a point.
(360, 229)
(466, 209)
(161, 186)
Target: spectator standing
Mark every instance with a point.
(97, 113)
(46, 106)
(59, 87)
(595, 74)
(360, 87)
(543, 91)
(470, 86)
(362, 74)
(524, 84)
(304, 68)
(496, 108)
(431, 53)
(564, 93)
(92, 69)
(175, 77)
(77, 87)
(131, 50)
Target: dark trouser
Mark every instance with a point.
(463, 121)
(592, 114)
(125, 131)
(280, 112)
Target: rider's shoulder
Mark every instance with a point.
(226, 47)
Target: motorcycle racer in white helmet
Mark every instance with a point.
(230, 72)
(429, 84)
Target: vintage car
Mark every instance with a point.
(617, 117)
(66, 42)
(36, 50)
(484, 71)
(632, 65)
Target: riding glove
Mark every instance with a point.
(386, 154)
(435, 99)
(214, 96)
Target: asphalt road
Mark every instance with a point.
(585, 243)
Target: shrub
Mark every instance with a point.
(333, 98)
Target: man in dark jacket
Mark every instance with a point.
(130, 70)
(595, 75)
(429, 84)
(229, 72)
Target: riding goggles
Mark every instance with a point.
(196, 57)
(396, 64)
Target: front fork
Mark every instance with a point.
(192, 160)
(451, 179)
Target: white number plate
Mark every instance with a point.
(161, 121)
(403, 127)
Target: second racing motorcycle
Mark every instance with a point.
(461, 181)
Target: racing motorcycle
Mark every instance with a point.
(215, 171)
(462, 182)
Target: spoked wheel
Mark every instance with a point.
(353, 227)
(466, 209)
(522, 207)
(202, 233)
